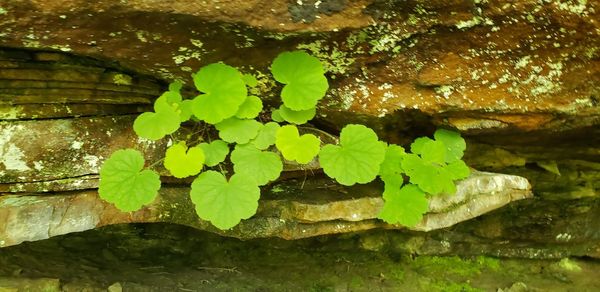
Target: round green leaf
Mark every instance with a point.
(392, 163)
(458, 169)
(172, 101)
(304, 77)
(266, 136)
(185, 110)
(431, 178)
(404, 206)
(276, 116)
(250, 108)
(234, 130)
(433, 152)
(183, 162)
(455, 144)
(358, 157)
(297, 117)
(175, 86)
(294, 147)
(250, 80)
(224, 203)
(417, 145)
(263, 166)
(155, 126)
(215, 152)
(167, 101)
(124, 183)
(224, 92)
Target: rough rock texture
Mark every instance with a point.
(286, 211)
(519, 79)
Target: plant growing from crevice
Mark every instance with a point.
(256, 149)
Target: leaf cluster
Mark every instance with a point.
(258, 149)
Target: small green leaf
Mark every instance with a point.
(392, 164)
(175, 86)
(304, 77)
(358, 157)
(431, 178)
(124, 183)
(458, 169)
(250, 80)
(455, 144)
(250, 108)
(417, 145)
(404, 206)
(263, 166)
(296, 117)
(234, 130)
(294, 147)
(167, 99)
(276, 116)
(433, 152)
(155, 126)
(224, 203)
(185, 110)
(183, 162)
(224, 92)
(215, 152)
(266, 136)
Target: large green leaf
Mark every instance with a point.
(294, 147)
(183, 162)
(214, 152)
(266, 136)
(250, 108)
(224, 203)
(358, 157)
(263, 166)
(234, 130)
(124, 183)
(455, 144)
(296, 117)
(404, 206)
(304, 77)
(224, 92)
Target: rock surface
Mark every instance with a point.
(286, 211)
(519, 80)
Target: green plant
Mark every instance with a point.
(226, 199)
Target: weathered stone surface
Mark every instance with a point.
(15, 284)
(282, 213)
(484, 65)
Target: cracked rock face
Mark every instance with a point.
(519, 80)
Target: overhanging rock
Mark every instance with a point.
(287, 211)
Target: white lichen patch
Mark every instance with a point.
(92, 161)
(578, 7)
(122, 79)
(38, 165)
(11, 156)
(334, 60)
(185, 53)
(76, 145)
(475, 21)
(10, 112)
